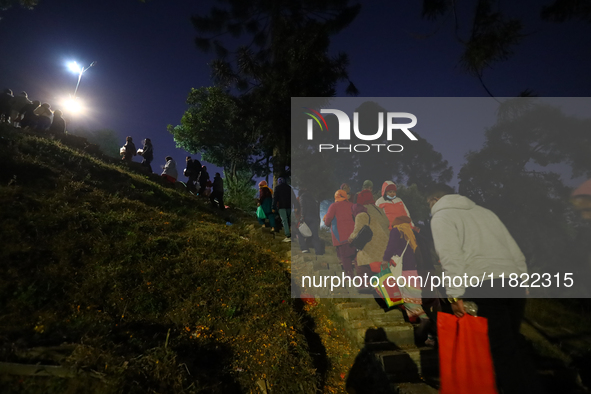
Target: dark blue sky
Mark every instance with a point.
(147, 61)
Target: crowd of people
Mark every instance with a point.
(466, 238)
(352, 217)
(198, 178)
(21, 112)
(279, 203)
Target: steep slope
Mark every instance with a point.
(129, 286)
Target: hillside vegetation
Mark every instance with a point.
(133, 287)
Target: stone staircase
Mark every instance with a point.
(384, 336)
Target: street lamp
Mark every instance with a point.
(74, 67)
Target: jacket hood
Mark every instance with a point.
(452, 201)
(386, 186)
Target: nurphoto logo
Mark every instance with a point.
(345, 130)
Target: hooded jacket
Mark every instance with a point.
(393, 208)
(170, 169)
(472, 240)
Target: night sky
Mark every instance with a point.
(147, 62)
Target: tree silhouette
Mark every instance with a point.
(217, 126)
(509, 176)
(488, 35)
(286, 55)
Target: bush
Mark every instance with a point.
(241, 192)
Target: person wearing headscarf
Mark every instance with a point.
(347, 190)
(392, 205)
(266, 201)
(339, 219)
(283, 199)
(402, 242)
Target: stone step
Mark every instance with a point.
(341, 293)
(328, 262)
(401, 365)
(401, 335)
(351, 314)
(328, 272)
(346, 305)
(412, 388)
(368, 301)
(380, 318)
(387, 336)
(356, 324)
(320, 265)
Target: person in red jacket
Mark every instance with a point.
(366, 194)
(339, 218)
(392, 205)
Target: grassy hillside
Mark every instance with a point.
(135, 287)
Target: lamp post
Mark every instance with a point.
(80, 70)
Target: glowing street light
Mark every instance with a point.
(74, 67)
(73, 106)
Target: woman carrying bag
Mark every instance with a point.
(371, 248)
(401, 249)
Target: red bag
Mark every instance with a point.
(465, 362)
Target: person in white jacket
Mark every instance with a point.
(170, 173)
(471, 240)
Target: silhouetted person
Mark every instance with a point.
(203, 178)
(5, 105)
(309, 213)
(58, 125)
(192, 171)
(170, 173)
(130, 150)
(29, 118)
(283, 199)
(339, 219)
(44, 117)
(17, 104)
(148, 154)
(218, 191)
